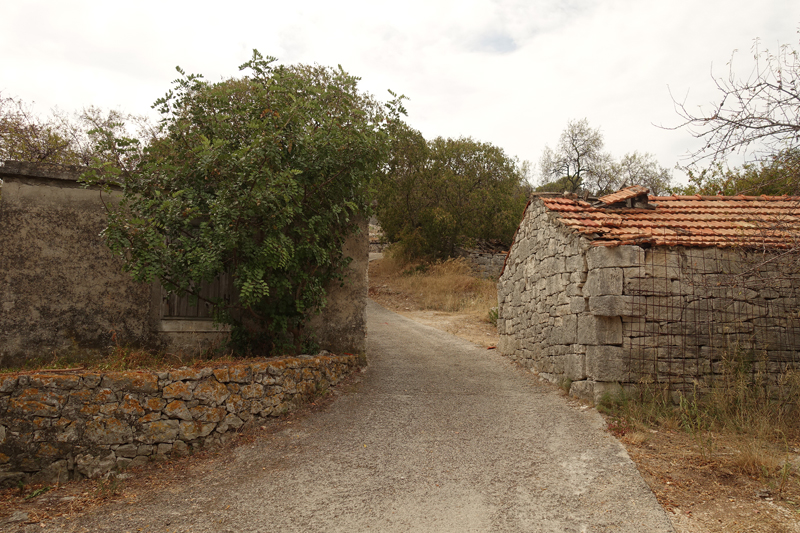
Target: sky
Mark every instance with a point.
(508, 72)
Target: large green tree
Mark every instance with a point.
(262, 177)
(441, 194)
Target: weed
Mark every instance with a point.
(694, 421)
(37, 492)
(494, 314)
(564, 384)
(108, 487)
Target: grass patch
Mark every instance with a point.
(448, 286)
(121, 358)
(743, 421)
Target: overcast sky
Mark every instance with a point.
(511, 73)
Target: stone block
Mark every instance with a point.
(603, 391)
(599, 330)
(575, 366)
(583, 390)
(195, 429)
(208, 414)
(160, 431)
(603, 282)
(131, 406)
(612, 257)
(127, 450)
(211, 391)
(617, 305)
(93, 467)
(54, 381)
(131, 381)
(179, 389)
(578, 305)
(606, 363)
(565, 330)
(108, 431)
(177, 409)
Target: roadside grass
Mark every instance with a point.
(743, 421)
(121, 358)
(448, 286)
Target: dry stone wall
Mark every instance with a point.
(484, 264)
(60, 426)
(597, 318)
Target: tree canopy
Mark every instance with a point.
(579, 164)
(262, 177)
(445, 193)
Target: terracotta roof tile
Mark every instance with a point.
(624, 194)
(721, 221)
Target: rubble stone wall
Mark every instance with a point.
(59, 426)
(485, 265)
(597, 318)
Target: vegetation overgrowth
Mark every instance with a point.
(261, 178)
(741, 420)
(122, 358)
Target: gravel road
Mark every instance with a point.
(440, 435)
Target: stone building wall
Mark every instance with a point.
(59, 426)
(594, 318)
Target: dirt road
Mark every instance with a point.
(440, 435)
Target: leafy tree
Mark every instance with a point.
(61, 139)
(262, 177)
(758, 116)
(773, 176)
(445, 193)
(579, 164)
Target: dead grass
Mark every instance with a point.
(742, 424)
(121, 358)
(448, 286)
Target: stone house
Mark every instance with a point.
(61, 288)
(673, 291)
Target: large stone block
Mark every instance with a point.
(603, 282)
(599, 330)
(617, 305)
(607, 363)
(617, 256)
(565, 330)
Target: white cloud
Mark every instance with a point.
(510, 72)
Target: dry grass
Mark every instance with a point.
(120, 358)
(743, 423)
(448, 286)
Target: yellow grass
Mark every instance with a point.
(444, 286)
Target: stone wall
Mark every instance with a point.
(594, 318)
(61, 289)
(484, 264)
(60, 426)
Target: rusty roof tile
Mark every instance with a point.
(683, 220)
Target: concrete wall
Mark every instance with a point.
(595, 318)
(61, 289)
(59, 285)
(55, 427)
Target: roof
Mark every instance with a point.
(630, 216)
